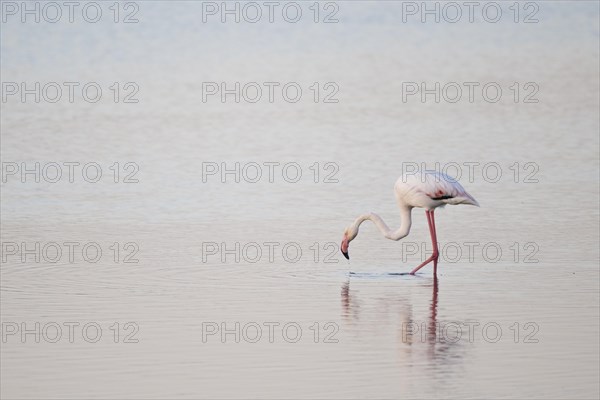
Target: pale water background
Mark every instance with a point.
(368, 134)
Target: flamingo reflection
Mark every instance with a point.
(416, 338)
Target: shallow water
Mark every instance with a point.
(513, 312)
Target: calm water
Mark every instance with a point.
(513, 313)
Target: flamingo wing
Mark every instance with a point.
(438, 186)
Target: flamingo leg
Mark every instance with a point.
(435, 244)
(435, 255)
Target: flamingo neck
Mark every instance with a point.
(405, 223)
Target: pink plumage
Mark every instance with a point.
(428, 190)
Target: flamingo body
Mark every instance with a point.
(431, 189)
(428, 190)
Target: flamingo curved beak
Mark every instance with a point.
(344, 247)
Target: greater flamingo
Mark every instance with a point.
(428, 190)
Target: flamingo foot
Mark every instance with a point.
(434, 258)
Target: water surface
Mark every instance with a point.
(542, 292)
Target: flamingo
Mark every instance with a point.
(426, 189)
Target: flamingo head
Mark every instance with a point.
(349, 235)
